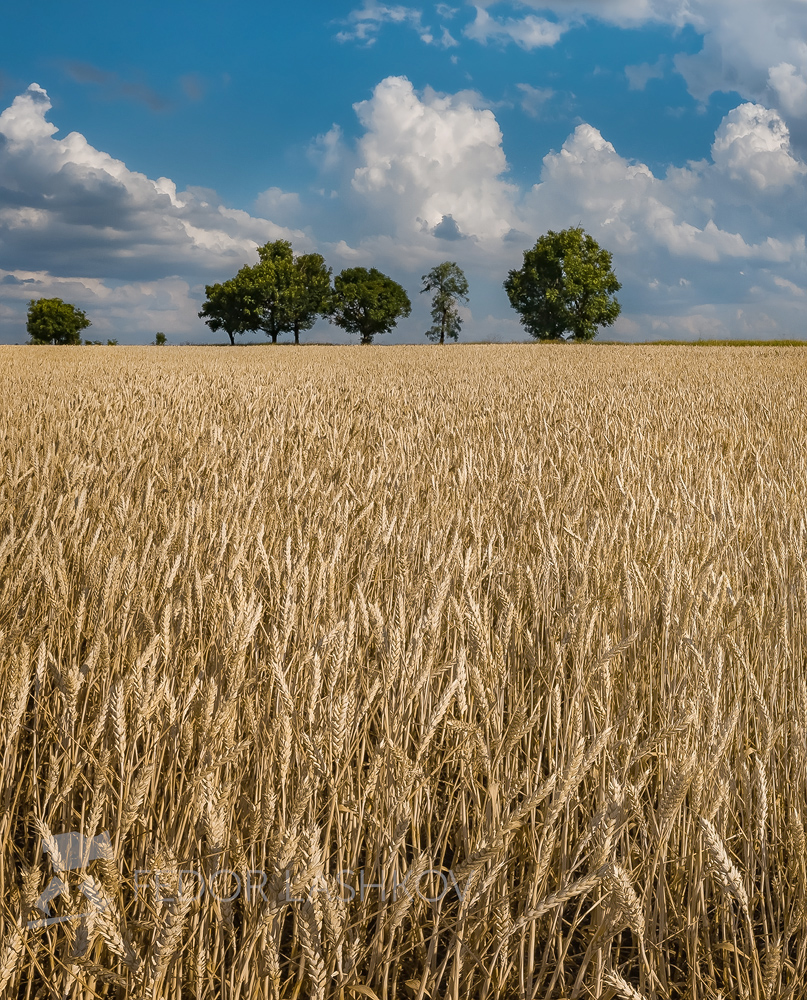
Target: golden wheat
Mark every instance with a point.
(403, 672)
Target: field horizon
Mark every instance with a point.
(739, 342)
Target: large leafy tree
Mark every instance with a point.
(268, 295)
(280, 294)
(450, 286)
(565, 286)
(367, 302)
(52, 321)
(309, 292)
(226, 306)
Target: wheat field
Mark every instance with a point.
(403, 672)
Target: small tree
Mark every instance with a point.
(52, 321)
(367, 302)
(159, 340)
(566, 285)
(450, 286)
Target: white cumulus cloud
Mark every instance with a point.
(753, 143)
(65, 204)
(758, 49)
(706, 249)
(705, 240)
(789, 83)
(71, 212)
(716, 247)
(428, 156)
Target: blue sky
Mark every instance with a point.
(146, 152)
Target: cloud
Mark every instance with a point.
(12, 279)
(534, 99)
(327, 150)
(698, 250)
(364, 24)
(689, 212)
(129, 311)
(716, 247)
(757, 49)
(427, 156)
(193, 86)
(447, 229)
(694, 252)
(70, 206)
(115, 87)
(447, 40)
(789, 286)
(790, 86)
(69, 211)
(753, 144)
(528, 32)
(639, 76)
(280, 205)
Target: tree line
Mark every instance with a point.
(287, 293)
(564, 290)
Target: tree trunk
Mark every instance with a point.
(297, 333)
(232, 338)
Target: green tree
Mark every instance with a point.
(160, 339)
(309, 293)
(226, 306)
(450, 286)
(280, 294)
(52, 321)
(273, 281)
(367, 302)
(566, 285)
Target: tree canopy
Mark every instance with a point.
(566, 285)
(267, 292)
(280, 294)
(225, 307)
(450, 286)
(367, 302)
(308, 292)
(52, 321)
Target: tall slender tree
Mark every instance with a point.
(450, 286)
